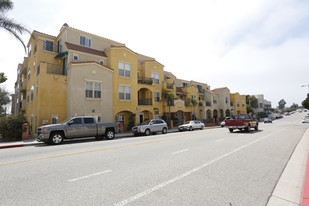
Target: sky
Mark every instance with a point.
(251, 47)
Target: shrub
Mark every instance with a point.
(11, 127)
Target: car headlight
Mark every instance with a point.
(44, 130)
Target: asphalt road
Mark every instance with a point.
(209, 167)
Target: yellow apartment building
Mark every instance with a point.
(238, 102)
(78, 73)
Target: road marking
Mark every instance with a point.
(99, 150)
(220, 140)
(164, 184)
(91, 175)
(180, 151)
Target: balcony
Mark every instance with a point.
(208, 104)
(144, 80)
(22, 86)
(201, 91)
(22, 105)
(146, 101)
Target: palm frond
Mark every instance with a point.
(16, 36)
(5, 5)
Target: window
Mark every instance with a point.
(28, 94)
(238, 105)
(124, 92)
(124, 69)
(37, 86)
(232, 104)
(101, 62)
(76, 121)
(193, 97)
(157, 96)
(156, 78)
(48, 45)
(184, 84)
(29, 54)
(75, 57)
(214, 99)
(38, 71)
(226, 100)
(243, 103)
(35, 49)
(33, 65)
(88, 120)
(32, 92)
(29, 73)
(93, 90)
(84, 41)
(54, 119)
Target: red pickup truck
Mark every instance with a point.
(242, 121)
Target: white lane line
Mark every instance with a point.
(180, 151)
(164, 184)
(220, 140)
(91, 175)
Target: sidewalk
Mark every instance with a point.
(292, 189)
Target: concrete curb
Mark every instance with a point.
(25, 143)
(288, 191)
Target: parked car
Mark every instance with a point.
(150, 127)
(242, 121)
(75, 128)
(305, 119)
(191, 125)
(287, 114)
(223, 122)
(267, 120)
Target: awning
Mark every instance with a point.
(61, 54)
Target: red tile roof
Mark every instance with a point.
(169, 74)
(220, 88)
(85, 49)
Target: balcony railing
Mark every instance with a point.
(208, 104)
(144, 80)
(146, 101)
(22, 105)
(54, 69)
(169, 86)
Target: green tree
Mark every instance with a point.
(2, 78)
(11, 127)
(294, 107)
(4, 100)
(9, 24)
(169, 97)
(281, 104)
(194, 103)
(305, 103)
(251, 103)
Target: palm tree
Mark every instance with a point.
(9, 24)
(170, 100)
(194, 103)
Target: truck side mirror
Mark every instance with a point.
(70, 122)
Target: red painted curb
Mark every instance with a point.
(10, 146)
(305, 195)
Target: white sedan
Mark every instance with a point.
(191, 125)
(305, 119)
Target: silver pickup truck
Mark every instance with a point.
(75, 128)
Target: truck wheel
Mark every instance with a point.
(56, 138)
(231, 130)
(109, 134)
(164, 131)
(190, 128)
(147, 132)
(248, 129)
(256, 127)
(202, 127)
